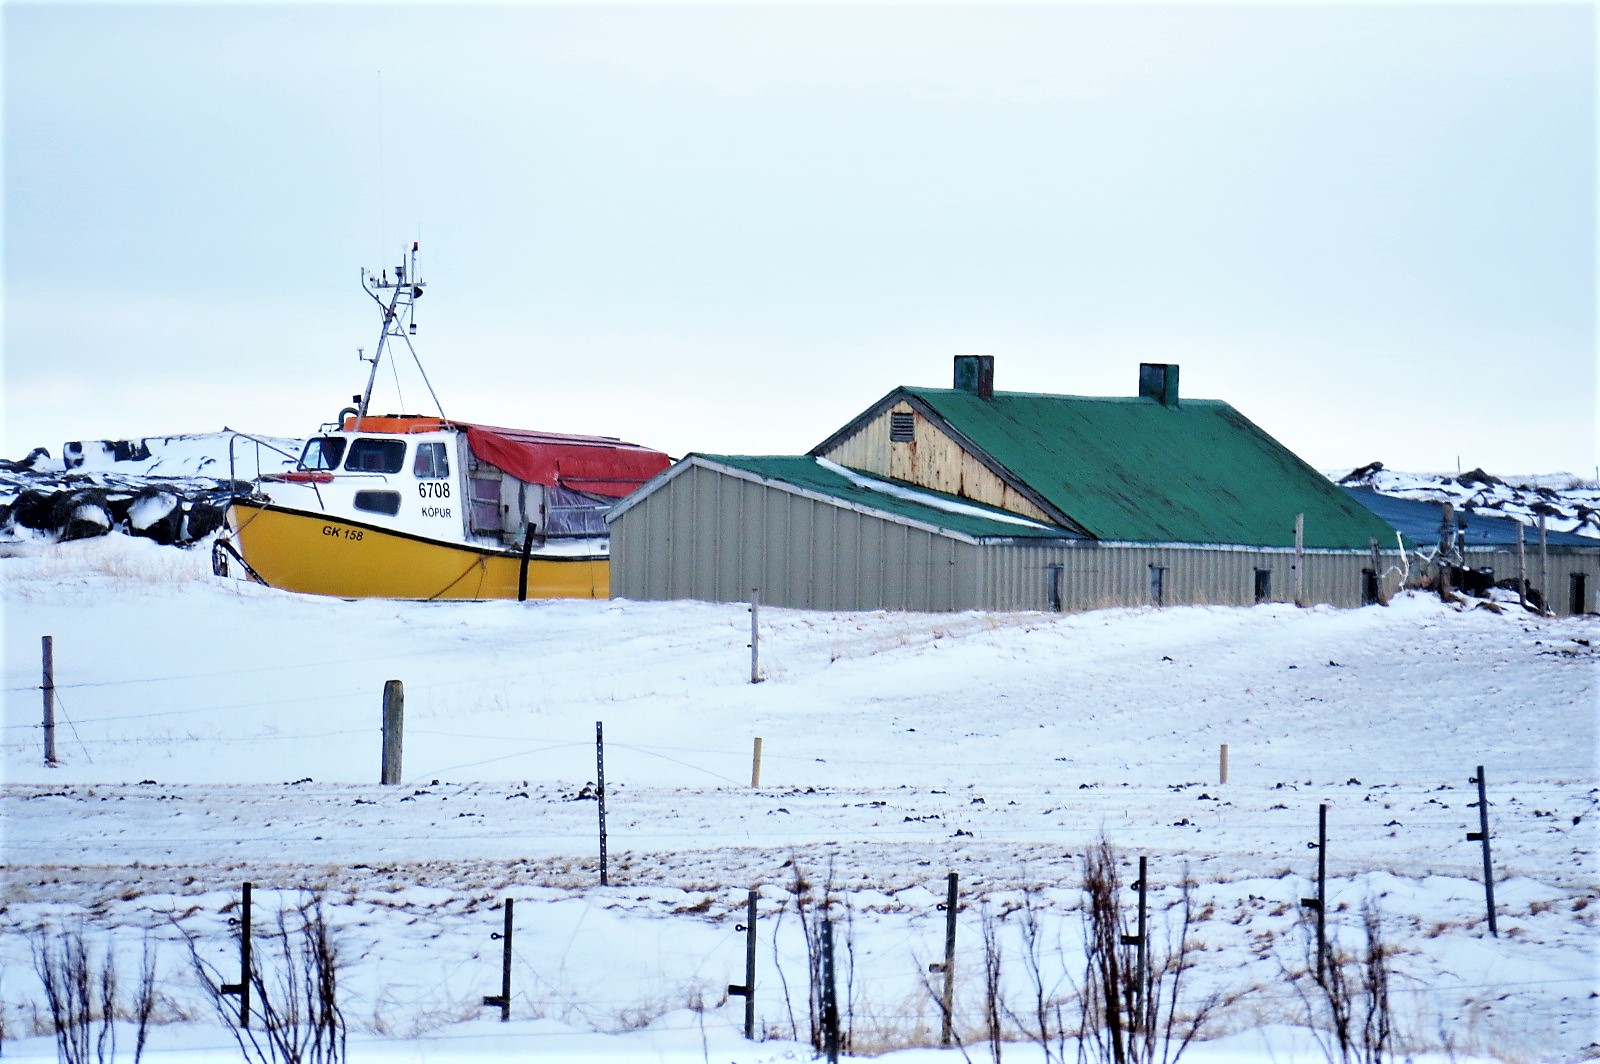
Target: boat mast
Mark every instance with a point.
(399, 313)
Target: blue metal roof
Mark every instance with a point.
(1419, 521)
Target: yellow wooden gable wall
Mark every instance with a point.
(931, 460)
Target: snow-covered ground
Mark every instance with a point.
(213, 732)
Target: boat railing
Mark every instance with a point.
(233, 461)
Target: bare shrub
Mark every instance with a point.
(810, 912)
(295, 992)
(814, 908)
(993, 1003)
(935, 991)
(1047, 1025)
(1348, 1009)
(82, 1000)
(1131, 1009)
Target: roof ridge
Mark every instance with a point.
(916, 389)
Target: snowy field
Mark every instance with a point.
(211, 732)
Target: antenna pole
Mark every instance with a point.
(405, 290)
(383, 335)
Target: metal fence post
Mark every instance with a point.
(1320, 902)
(948, 1001)
(749, 987)
(1482, 835)
(503, 999)
(600, 792)
(242, 988)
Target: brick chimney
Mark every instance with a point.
(1159, 381)
(975, 374)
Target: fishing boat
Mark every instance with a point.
(428, 507)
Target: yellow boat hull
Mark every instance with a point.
(320, 555)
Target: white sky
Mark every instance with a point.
(731, 228)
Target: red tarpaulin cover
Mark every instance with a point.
(593, 464)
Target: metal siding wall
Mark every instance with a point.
(901, 567)
(1015, 577)
(701, 498)
(708, 536)
(777, 540)
(718, 511)
(1561, 563)
(969, 562)
(869, 571)
(792, 585)
(824, 556)
(626, 559)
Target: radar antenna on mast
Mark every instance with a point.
(397, 303)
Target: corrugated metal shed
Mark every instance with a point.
(967, 498)
(1137, 470)
(934, 511)
(814, 536)
(714, 527)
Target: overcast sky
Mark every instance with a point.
(1370, 227)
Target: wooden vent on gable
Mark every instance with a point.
(902, 427)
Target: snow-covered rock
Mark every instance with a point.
(171, 489)
(1567, 503)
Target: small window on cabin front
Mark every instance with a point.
(376, 456)
(431, 462)
(323, 452)
(902, 426)
(378, 502)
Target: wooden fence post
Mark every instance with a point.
(1300, 560)
(1544, 568)
(1222, 764)
(48, 647)
(755, 764)
(755, 635)
(1522, 569)
(394, 704)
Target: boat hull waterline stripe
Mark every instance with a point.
(319, 554)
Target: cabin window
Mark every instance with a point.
(376, 456)
(323, 452)
(574, 513)
(484, 486)
(378, 502)
(902, 427)
(431, 462)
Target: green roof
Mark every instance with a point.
(907, 501)
(1135, 470)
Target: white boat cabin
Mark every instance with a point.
(435, 480)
